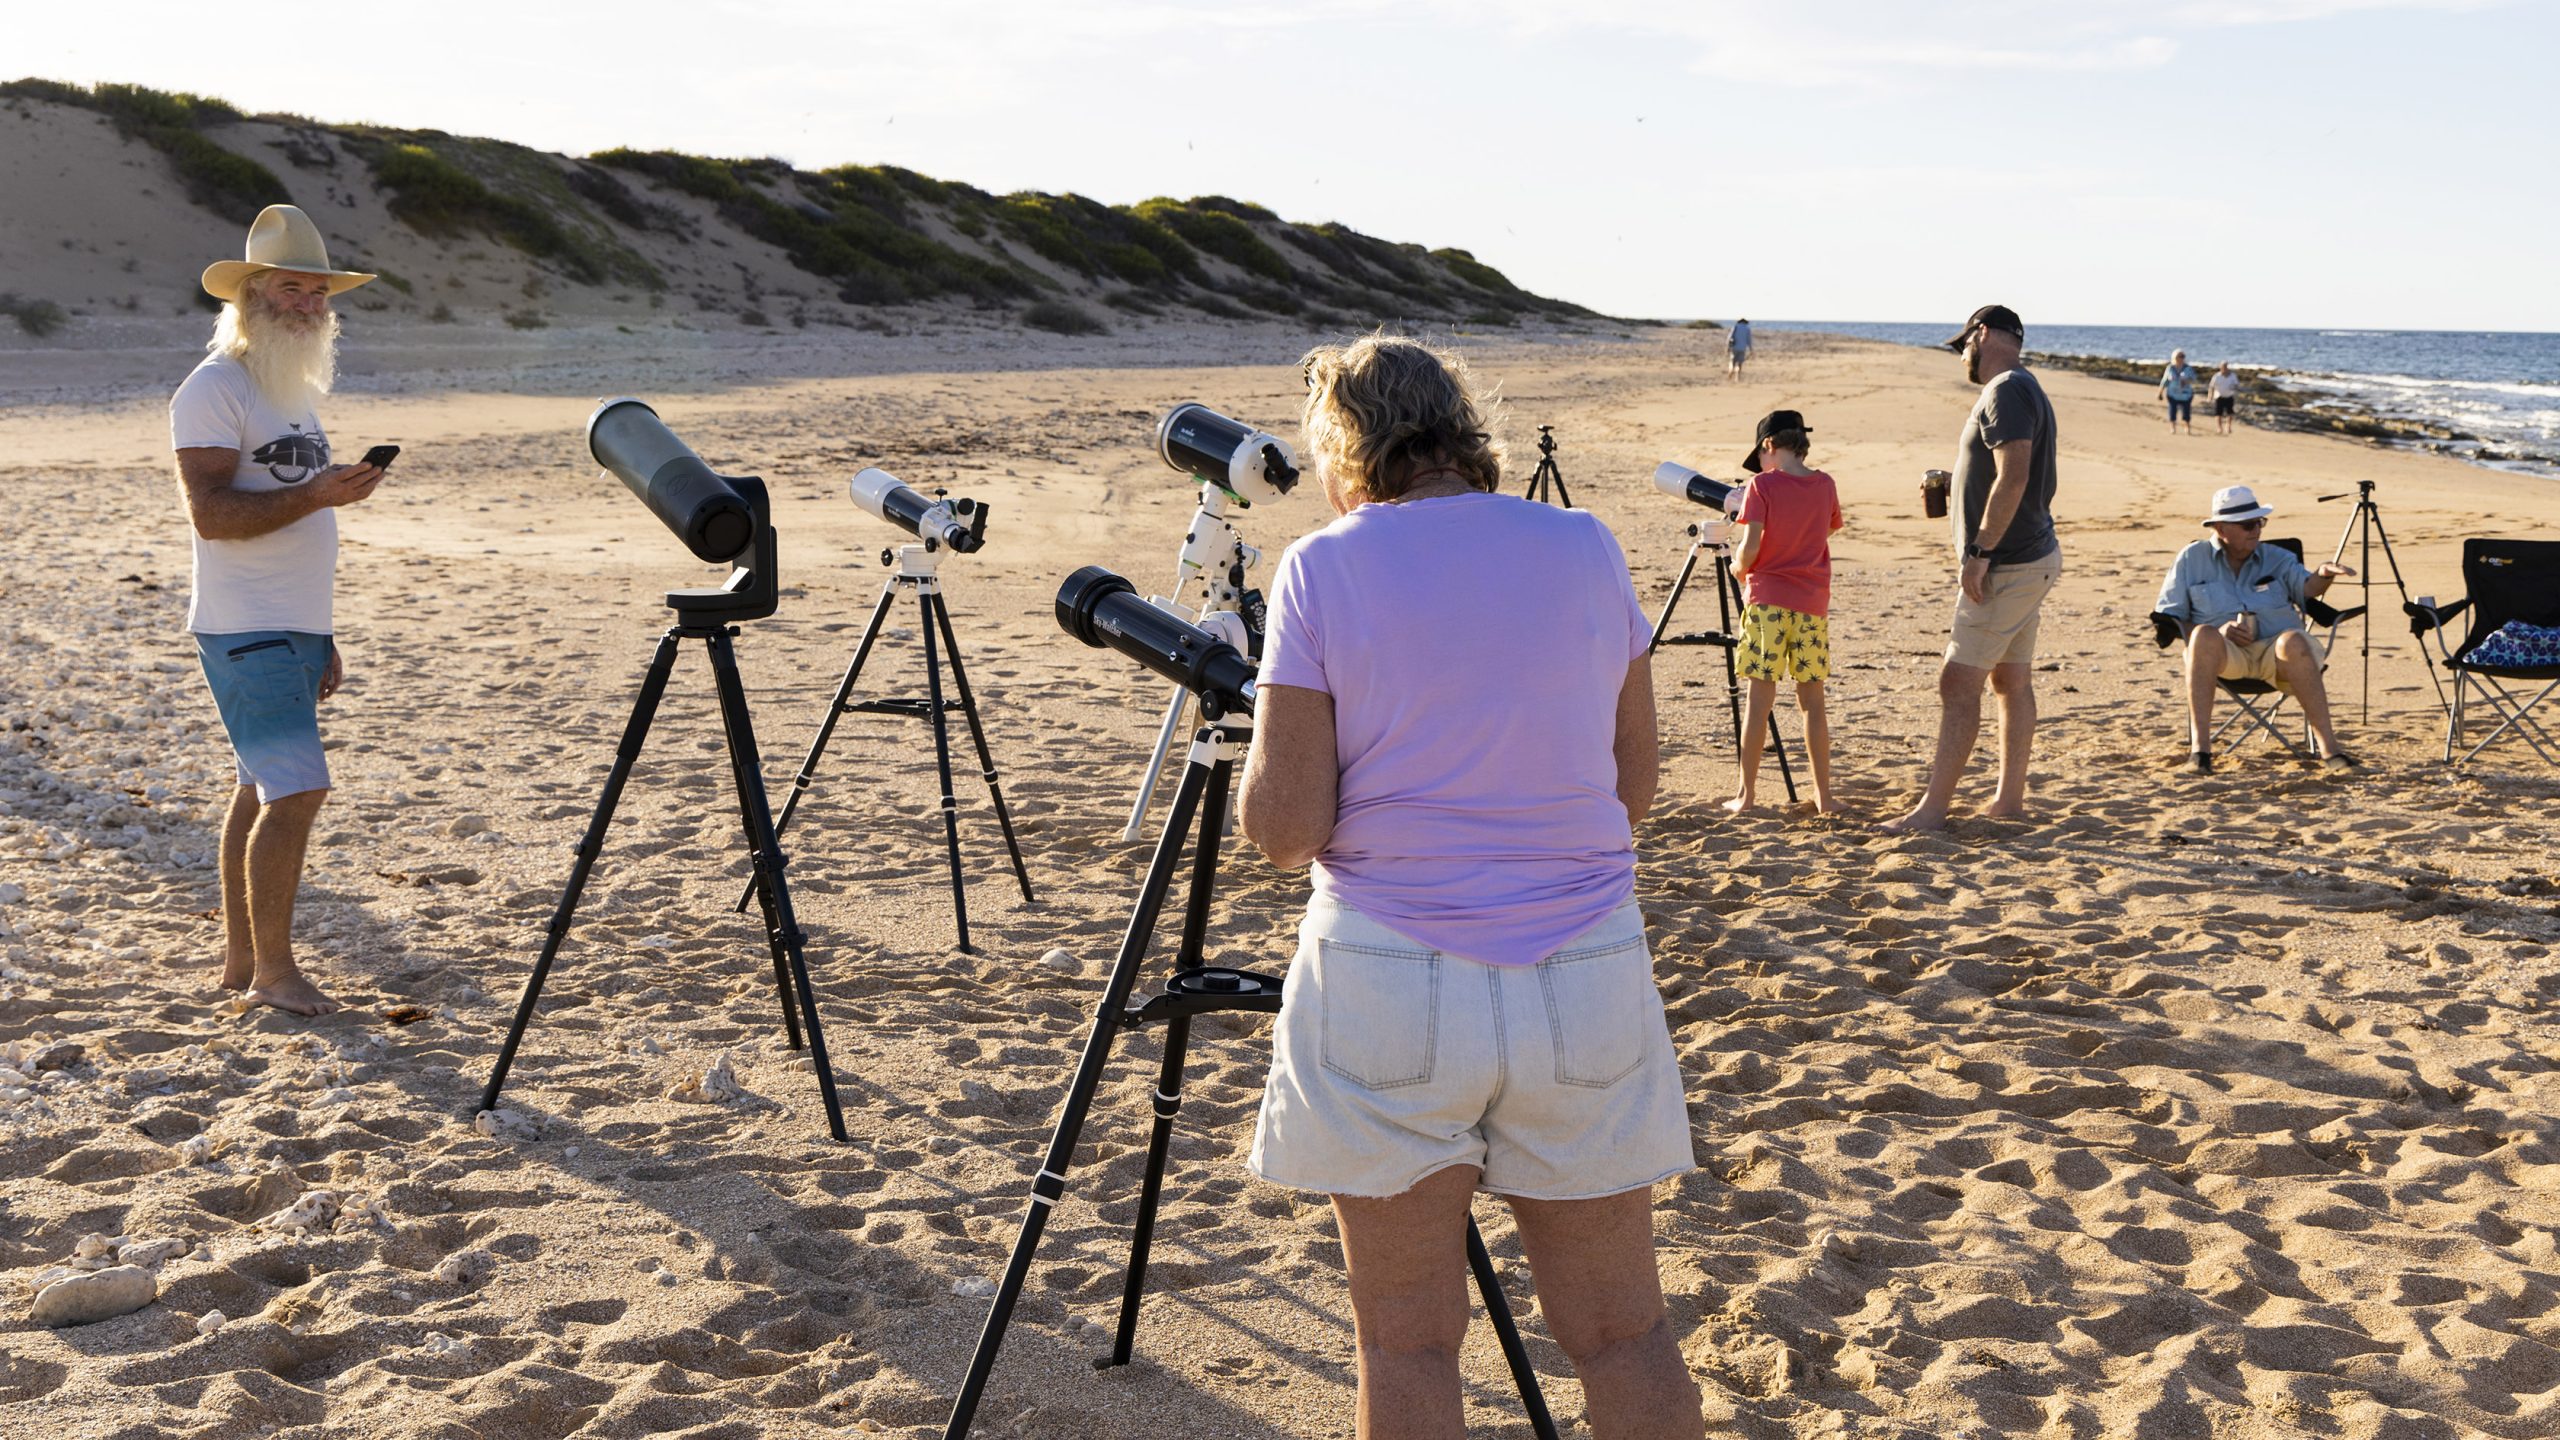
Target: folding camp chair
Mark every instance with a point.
(2247, 695)
(2507, 580)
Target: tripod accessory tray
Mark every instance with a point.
(1198, 992)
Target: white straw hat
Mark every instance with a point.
(282, 238)
(2234, 503)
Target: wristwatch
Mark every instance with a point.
(1976, 552)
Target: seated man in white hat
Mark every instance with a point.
(262, 499)
(2240, 604)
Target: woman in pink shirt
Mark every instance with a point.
(1455, 727)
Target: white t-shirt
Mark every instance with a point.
(2225, 382)
(281, 580)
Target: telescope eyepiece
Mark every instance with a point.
(959, 525)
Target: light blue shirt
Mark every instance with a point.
(2203, 589)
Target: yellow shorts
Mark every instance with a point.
(1782, 644)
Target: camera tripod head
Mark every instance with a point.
(1546, 439)
(2362, 494)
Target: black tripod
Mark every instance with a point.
(1194, 988)
(2366, 525)
(1710, 538)
(917, 572)
(1547, 473)
(704, 615)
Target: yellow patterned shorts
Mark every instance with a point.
(1782, 644)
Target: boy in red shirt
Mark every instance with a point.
(1784, 558)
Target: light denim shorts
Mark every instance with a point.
(1393, 1060)
(266, 684)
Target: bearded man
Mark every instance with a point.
(262, 498)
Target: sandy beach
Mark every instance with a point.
(2184, 1107)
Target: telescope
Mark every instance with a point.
(1244, 462)
(959, 525)
(1103, 610)
(1678, 480)
(720, 518)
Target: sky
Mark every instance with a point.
(2374, 163)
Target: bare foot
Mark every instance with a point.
(236, 972)
(1739, 803)
(292, 993)
(1825, 805)
(1918, 822)
(2014, 810)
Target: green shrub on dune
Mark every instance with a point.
(229, 184)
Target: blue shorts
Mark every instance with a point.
(2181, 409)
(266, 683)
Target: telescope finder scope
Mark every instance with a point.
(1675, 479)
(1103, 610)
(959, 525)
(712, 519)
(1246, 463)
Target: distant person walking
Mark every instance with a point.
(2005, 476)
(2178, 385)
(1789, 514)
(262, 498)
(1737, 348)
(2225, 388)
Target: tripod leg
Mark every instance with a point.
(781, 925)
(1155, 763)
(1497, 1308)
(653, 687)
(826, 728)
(1177, 1039)
(1724, 627)
(2403, 587)
(1051, 1183)
(1563, 495)
(942, 768)
(1687, 568)
(978, 737)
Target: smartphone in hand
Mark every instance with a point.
(381, 456)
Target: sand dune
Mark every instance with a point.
(2184, 1108)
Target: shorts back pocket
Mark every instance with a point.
(1603, 1011)
(1380, 1013)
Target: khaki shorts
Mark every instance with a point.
(1393, 1061)
(2001, 630)
(2257, 659)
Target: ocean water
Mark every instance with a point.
(2502, 386)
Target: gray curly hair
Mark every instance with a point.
(1385, 409)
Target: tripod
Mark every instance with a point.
(1216, 558)
(1710, 537)
(2365, 524)
(1547, 473)
(1193, 989)
(917, 572)
(703, 615)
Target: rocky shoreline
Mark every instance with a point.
(2282, 400)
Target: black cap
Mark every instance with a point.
(1998, 317)
(1770, 424)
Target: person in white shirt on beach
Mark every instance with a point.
(2225, 388)
(261, 498)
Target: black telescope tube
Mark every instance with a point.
(1103, 610)
(714, 522)
(1673, 478)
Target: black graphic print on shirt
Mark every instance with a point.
(294, 458)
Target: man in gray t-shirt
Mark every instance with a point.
(2008, 562)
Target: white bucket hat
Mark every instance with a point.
(2234, 503)
(281, 238)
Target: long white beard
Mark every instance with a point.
(293, 367)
